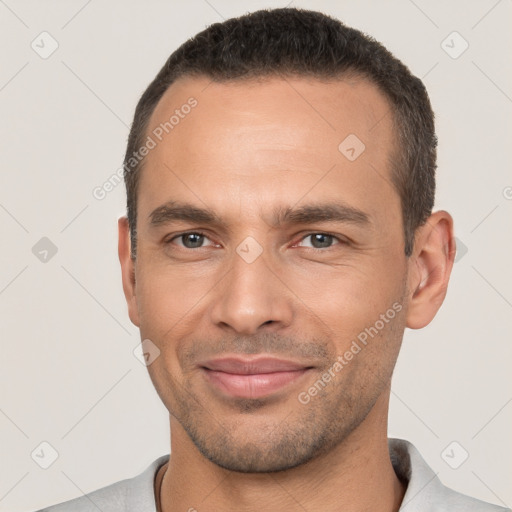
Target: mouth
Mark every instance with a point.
(252, 378)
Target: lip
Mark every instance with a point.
(252, 378)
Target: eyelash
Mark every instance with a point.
(341, 241)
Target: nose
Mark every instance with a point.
(251, 297)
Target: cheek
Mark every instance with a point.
(349, 301)
(165, 303)
(166, 298)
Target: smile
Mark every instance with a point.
(254, 378)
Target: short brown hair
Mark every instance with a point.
(297, 42)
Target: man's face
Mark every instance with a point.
(256, 283)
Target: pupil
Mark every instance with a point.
(318, 238)
(194, 243)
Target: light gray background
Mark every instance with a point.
(68, 375)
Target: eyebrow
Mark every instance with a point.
(326, 212)
(174, 210)
(305, 214)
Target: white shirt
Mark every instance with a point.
(425, 492)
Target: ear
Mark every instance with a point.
(430, 267)
(127, 269)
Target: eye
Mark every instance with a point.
(190, 240)
(321, 241)
(196, 239)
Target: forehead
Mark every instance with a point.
(348, 103)
(257, 139)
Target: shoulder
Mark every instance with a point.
(425, 491)
(131, 494)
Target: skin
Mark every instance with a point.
(245, 149)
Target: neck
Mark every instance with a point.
(357, 475)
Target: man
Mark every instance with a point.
(279, 237)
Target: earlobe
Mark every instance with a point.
(430, 268)
(127, 269)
